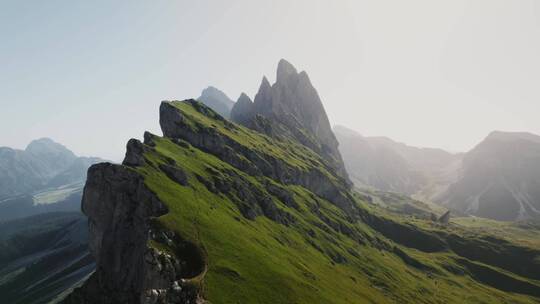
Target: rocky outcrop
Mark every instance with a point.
(134, 153)
(217, 100)
(120, 209)
(295, 109)
(445, 218)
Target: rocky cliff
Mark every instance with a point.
(291, 107)
(120, 209)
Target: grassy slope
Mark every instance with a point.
(262, 261)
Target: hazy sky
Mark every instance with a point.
(91, 74)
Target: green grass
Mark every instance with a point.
(311, 260)
(524, 233)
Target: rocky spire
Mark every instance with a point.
(284, 71)
(294, 104)
(263, 103)
(243, 109)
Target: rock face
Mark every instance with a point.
(291, 107)
(120, 209)
(217, 100)
(499, 178)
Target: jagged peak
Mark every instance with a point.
(242, 110)
(284, 70)
(264, 89)
(265, 83)
(304, 75)
(244, 98)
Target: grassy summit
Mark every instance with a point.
(252, 238)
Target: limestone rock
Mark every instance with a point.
(120, 208)
(295, 106)
(134, 153)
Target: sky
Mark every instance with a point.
(91, 74)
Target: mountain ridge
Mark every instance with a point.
(219, 212)
(206, 220)
(496, 179)
(42, 164)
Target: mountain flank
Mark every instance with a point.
(498, 179)
(383, 164)
(215, 212)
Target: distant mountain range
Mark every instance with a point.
(498, 179)
(217, 100)
(45, 177)
(43, 234)
(42, 165)
(386, 165)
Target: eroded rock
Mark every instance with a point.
(120, 209)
